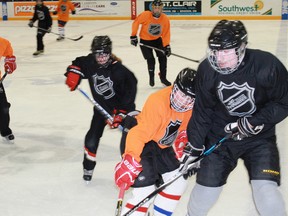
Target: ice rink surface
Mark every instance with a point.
(41, 174)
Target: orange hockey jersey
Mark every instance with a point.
(152, 28)
(5, 49)
(158, 122)
(63, 9)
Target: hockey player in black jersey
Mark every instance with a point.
(112, 85)
(242, 92)
(42, 14)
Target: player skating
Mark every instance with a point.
(63, 12)
(112, 85)
(148, 157)
(243, 92)
(6, 51)
(42, 14)
(155, 32)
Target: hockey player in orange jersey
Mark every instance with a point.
(6, 51)
(155, 32)
(148, 155)
(63, 9)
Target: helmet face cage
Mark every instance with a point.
(102, 48)
(103, 58)
(226, 61)
(180, 101)
(157, 8)
(227, 45)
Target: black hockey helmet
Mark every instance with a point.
(157, 3)
(183, 91)
(185, 81)
(101, 47)
(157, 7)
(227, 45)
(101, 44)
(227, 34)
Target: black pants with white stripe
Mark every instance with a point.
(4, 113)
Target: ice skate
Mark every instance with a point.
(38, 52)
(60, 38)
(87, 176)
(9, 138)
(151, 81)
(165, 82)
(151, 77)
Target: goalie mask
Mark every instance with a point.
(157, 8)
(102, 48)
(182, 97)
(227, 45)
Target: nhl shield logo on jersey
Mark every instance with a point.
(103, 86)
(170, 133)
(63, 7)
(238, 99)
(154, 29)
(40, 15)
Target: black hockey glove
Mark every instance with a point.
(73, 12)
(134, 40)
(242, 129)
(187, 167)
(167, 50)
(30, 24)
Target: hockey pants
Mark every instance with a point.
(267, 197)
(164, 203)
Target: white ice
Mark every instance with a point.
(41, 174)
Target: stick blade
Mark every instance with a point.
(76, 39)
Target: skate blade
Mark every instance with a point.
(35, 56)
(87, 182)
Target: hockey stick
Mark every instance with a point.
(120, 200)
(3, 77)
(176, 176)
(160, 50)
(73, 39)
(107, 116)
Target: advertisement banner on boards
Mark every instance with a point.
(285, 10)
(27, 8)
(83, 8)
(103, 8)
(178, 7)
(245, 8)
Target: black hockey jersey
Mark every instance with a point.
(112, 87)
(42, 14)
(258, 88)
